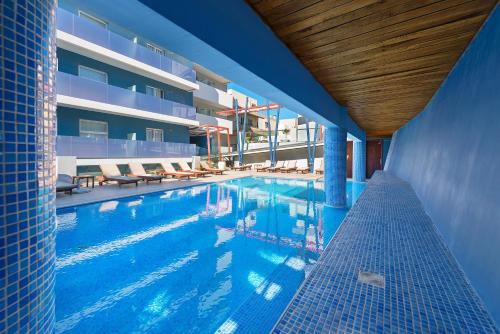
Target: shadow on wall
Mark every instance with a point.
(450, 154)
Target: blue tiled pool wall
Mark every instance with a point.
(450, 154)
(27, 174)
(388, 233)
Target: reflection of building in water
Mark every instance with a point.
(221, 205)
(247, 222)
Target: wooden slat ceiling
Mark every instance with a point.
(382, 59)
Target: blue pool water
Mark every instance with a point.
(224, 257)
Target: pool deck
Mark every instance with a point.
(112, 191)
(386, 270)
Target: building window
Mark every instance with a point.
(154, 91)
(154, 134)
(156, 49)
(92, 74)
(93, 19)
(93, 129)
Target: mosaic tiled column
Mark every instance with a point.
(359, 161)
(27, 165)
(335, 160)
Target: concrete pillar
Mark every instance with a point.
(27, 165)
(359, 161)
(335, 160)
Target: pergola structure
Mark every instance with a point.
(236, 111)
(207, 129)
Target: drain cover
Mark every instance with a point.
(373, 279)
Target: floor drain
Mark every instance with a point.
(373, 279)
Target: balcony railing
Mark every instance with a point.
(75, 86)
(213, 95)
(105, 148)
(84, 29)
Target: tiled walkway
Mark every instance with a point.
(418, 286)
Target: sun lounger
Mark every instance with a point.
(169, 170)
(279, 165)
(265, 167)
(291, 167)
(138, 170)
(206, 167)
(111, 172)
(242, 167)
(65, 184)
(303, 170)
(320, 169)
(185, 168)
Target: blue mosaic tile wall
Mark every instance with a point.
(335, 161)
(359, 161)
(386, 270)
(27, 165)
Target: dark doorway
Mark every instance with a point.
(373, 156)
(349, 159)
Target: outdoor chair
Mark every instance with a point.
(111, 172)
(169, 170)
(185, 168)
(279, 165)
(206, 167)
(265, 167)
(291, 167)
(65, 184)
(137, 170)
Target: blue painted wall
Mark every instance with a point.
(450, 153)
(68, 62)
(386, 143)
(118, 126)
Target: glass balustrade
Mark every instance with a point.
(75, 86)
(105, 148)
(84, 29)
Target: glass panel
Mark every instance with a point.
(93, 147)
(93, 129)
(94, 30)
(92, 74)
(79, 87)
(154, 135)
(155, 49)
(154, 91)
(93, 19)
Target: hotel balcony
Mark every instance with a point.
(105, 148)
(211, 120)
(213, 96)
(86, 38)
(77, 92)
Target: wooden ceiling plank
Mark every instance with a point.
(402, 12)
(432, 21)
(323, 16)
(450, 29)
(384, 59)
(308, 34)
(410, 50)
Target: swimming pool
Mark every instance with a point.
(224, 257)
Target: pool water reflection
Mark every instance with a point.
(224, 257)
